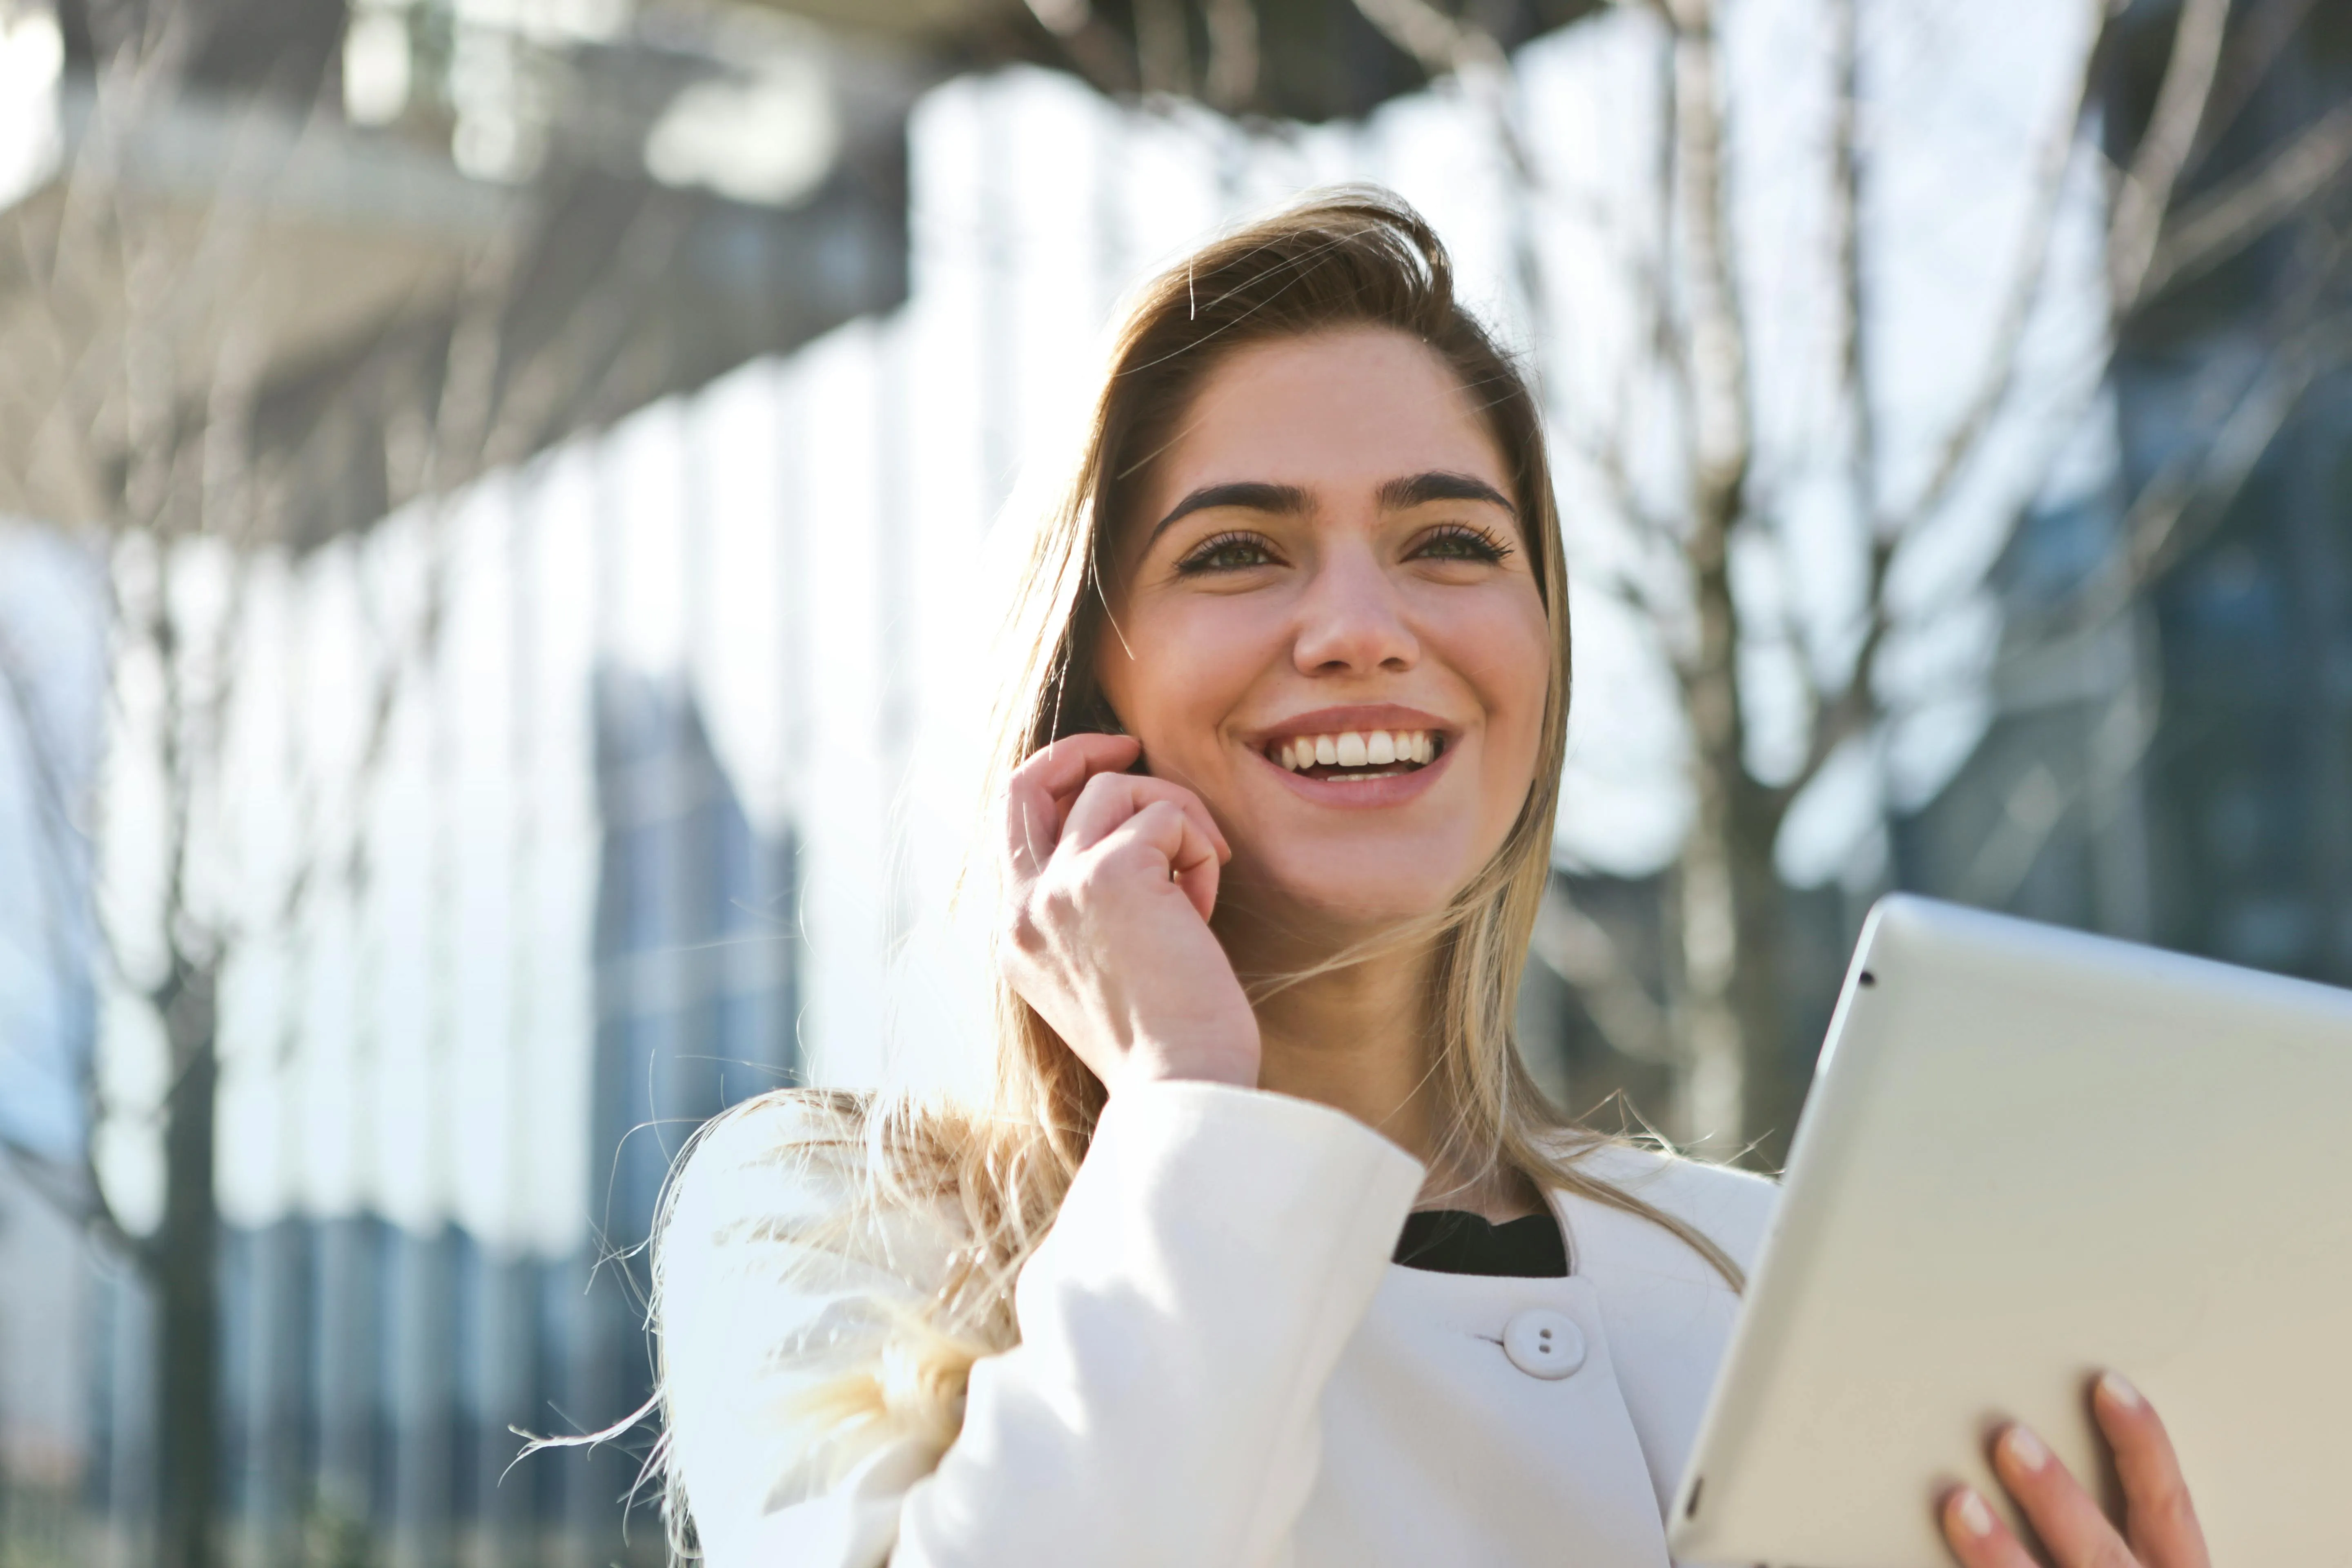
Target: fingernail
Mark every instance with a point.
(1975, 1518)
(2119, 1391)
(2025, 1450)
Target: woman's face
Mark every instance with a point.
(1327, 627)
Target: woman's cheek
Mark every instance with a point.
(1223, 649)
(1191, 669)
(1502, 644)
(1508, 654)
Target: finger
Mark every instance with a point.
(2159, 1519)
(1065, 766)
(1976, 1534)
(1032, 826)
(1197, 865)
(2070, 1523)
(1039, 793)
(1109, 799)
(1169, 833)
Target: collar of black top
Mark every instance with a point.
(1454, 1241)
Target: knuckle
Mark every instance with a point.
(1140, 847)
(1174, 796)
(1020, 930)
(1064, 899)
(2168, 1503)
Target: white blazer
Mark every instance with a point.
(1219, 1366)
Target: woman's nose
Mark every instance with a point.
(1352, 620)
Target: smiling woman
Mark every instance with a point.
(1263, 1248)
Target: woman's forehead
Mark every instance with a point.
(1329, 414)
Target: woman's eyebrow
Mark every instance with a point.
(1252, 495)
(1398, 494)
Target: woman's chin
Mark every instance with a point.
(1324, 908)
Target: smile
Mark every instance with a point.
(1358, 755)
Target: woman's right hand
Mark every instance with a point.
(1108, 882)
(2160, 1528)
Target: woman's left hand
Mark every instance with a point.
(2160, 1529)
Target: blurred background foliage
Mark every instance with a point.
(495, 519)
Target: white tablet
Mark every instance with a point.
(2029, 1155)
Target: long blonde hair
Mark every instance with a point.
(1351, 258)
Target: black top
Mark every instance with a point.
(1454, 1241)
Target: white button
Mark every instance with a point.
(1544, 1343)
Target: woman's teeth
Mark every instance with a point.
(1357, 749)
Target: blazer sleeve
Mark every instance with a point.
(1213, 1255)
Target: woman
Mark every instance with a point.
(1265, 1250)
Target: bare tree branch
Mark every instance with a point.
(2145, 192)
(1836, 717)
(42, 748)
(1717, 342)
(2036, 805)
(2031, 809)
(1852, 305)
(2187, 498)
(1968, 434)
(471, 436)
(1854, 709)
(1441, 43)
(2178, 509)
(1724, 995)
(2221, 224)
(587, 353)
(1231, 80)
(2247, 57)
(75, 1191)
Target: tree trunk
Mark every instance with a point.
(1729, 899)
(1729, 903)
(1771, 1092)
(184, 1271)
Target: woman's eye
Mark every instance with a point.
(1226, 553)
(1456, 542)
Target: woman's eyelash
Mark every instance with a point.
(1458, 542)
(1204, 556)
(1240, 550)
